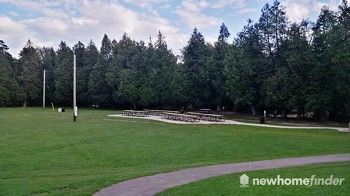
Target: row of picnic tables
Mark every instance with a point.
(175, 115)
(180, 117)
(135, 113)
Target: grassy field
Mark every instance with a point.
(44, 152)
(230, 185)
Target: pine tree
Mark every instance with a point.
(272, 25)
(9, 88)
(91, 54)
(339, 43)
(320, 90)
(197, 57)
(98, 86)
(3, 46)
(64, 75)
(287, 89)
(83, 74)
(131, 74)
(162, 74)
(30, 74)
(48, 58)
(216, 70)
(244, 75)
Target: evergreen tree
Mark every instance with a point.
(341, 60)
(287, 89)
(3, 46)
(321, 82)
(197, 57)
(132, 74)
(30, 78)
(216, 70)
(244, 79)
(48, 58)
(83, 74)
(340, 65)
(98, 86)
(162, 73)
(272, 25)
(64, 75)
(90, 57)
(9, 88)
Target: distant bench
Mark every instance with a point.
(180, 117)
(208, 117)
(135, 113)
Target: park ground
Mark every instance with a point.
(44, 152)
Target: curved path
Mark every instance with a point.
(150, 185)
(230, 122)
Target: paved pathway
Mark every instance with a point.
(150, 185)
(230, 122)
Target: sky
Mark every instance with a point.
(48, 22)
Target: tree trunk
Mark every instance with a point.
(25, 101)
(299, 114)
(284, 114)
(252, 108)
(234, 108)
(218, 108)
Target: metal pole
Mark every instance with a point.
(44, 77)
(75, 109)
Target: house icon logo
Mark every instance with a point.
(244, 180)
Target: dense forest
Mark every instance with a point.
(272, 64)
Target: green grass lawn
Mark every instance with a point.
(230, 185)
(44, 152)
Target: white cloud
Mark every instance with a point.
(47, 22)
(94, 19)
(297, 10)
(190, 12)
(225, 3)
(145, 3)
(247, 10)
(13, 33)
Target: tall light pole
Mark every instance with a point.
(44, 76)
(75, 108)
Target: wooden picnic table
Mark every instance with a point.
(205, 110)
(135, 113)
(180, 117)
(159, 112)
(208, 117)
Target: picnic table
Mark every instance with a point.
(159, 112)
(208, 117)
(204, 110)
(180, 117)
(135, 113)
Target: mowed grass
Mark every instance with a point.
(44, 152)
(230, 185)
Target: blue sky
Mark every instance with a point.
(47, 22)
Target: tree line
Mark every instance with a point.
(272, 65)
